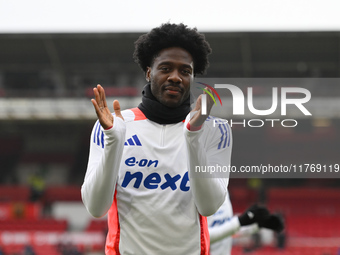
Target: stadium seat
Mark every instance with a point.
(62, 193)
(97, 225)
(14, 193)
(33, 225)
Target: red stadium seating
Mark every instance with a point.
(242, 198)
(97, 225)
(308, 212)
(14, 193)
(33, 225)
(62, 193)
(288, 251)
(38, 249)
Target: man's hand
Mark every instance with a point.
(262, 216)
(198, 119)
(253, 214)
(274, 222)
(103, 112)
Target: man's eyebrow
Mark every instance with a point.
(170, 63)
(188, 66)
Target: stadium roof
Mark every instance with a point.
(106, 16)
(63, 66)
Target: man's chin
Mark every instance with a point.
(172, 103)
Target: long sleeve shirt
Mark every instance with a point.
(157, 183)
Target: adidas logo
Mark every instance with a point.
(133, 141)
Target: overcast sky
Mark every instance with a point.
(22, 16)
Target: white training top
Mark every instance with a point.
(139, 171)
(223, 226)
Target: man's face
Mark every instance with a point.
(171, 75)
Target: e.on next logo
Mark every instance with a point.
(238, 101)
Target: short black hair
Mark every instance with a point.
(169, 35)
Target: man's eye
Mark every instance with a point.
(187, 71)
(164, 68)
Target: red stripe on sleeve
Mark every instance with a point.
(113, 235)
(205, 239)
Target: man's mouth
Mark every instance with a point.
(173, 90)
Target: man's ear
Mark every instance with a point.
(148, 74)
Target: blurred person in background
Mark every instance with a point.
(223, 225)
(141, 159)
(68, 249)
(37, 184)
(28, 250)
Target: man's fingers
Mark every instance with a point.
(210, 100)
(116, 108)
(102, 95)
(96, 107)
(97, 96)
(98, 102)
(198, 103)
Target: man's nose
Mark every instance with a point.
(175, 77)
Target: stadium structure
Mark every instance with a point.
(46, 117)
